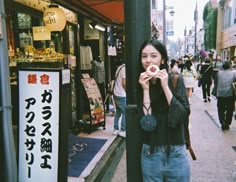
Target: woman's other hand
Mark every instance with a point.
(163, 76)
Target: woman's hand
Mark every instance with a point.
(163, 76)
(144, 80)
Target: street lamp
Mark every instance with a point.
(164, 19)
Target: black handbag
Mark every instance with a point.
(199, 82)
(213, 92)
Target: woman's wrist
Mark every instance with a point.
(147, 103)
(146, 97)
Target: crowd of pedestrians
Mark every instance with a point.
(215, 77)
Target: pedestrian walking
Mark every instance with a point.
(233, 62)
(225, 95)
(174, 67)
(181, 65)
(206, 79)
(164, 155)
(217, 65)
(189, 74)
(120, 101)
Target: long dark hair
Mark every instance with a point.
(188, 65)
(160, 48)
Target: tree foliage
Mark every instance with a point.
(210, 21)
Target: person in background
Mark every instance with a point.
(211, 57)
(198, 67)
(98, 72)
(225, 95)
(162, 147)
(189, 74)
(207, 76)
(174, 67)
(120, 101)
(217, 65)
(233, 62)
(180, 65)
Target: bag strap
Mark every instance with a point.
(117, 73)
(186, 129)
(175, 79)
(206, 70)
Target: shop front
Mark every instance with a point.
(228, 45)
(72, 46)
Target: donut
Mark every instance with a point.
(153, 70)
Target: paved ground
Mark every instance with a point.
(216, 159)
(98, 133)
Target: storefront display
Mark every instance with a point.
(96, 107)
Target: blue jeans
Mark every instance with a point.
(160, 167)
(120, 112)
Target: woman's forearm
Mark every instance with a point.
(146, 102)
(168, 94)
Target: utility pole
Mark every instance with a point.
(195, 37)
(137, 30)
(185, 34)
(164, 22)
(6, 137)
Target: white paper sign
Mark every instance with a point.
(38, 125)
(41, 33)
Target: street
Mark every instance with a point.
(214, 149)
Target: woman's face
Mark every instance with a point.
(150, 56)
(218, 57)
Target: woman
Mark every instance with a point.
(189, 74)
(207, 76)
(174, 66)
(217, 65)
(163, 156)
(225, 95)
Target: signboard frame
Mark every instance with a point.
(42, 129)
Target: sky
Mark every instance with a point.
(184, 15)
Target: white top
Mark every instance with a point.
(189, 77)
(86, 56)
(119, 89)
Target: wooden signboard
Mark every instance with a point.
(95, 100)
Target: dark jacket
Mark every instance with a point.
(207, 73)
(171, 118)
(224, 80)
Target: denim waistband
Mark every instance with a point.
(162, 148)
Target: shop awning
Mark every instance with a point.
(110, 11)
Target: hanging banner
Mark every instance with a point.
(38, 125)
(160, 24)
